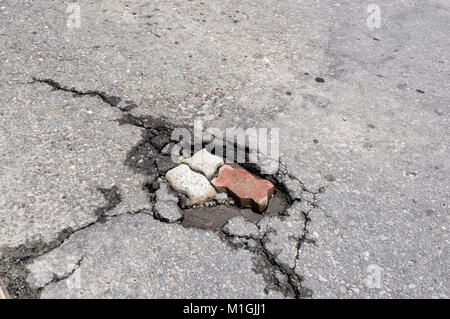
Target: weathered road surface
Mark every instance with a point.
(373, 135)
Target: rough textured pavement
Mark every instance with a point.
(176, 267)
(364, 127)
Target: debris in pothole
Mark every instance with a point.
(167, 211)
(204, 162)
(166, 207)
(223, 198)
(164, 192)
(194, 185)
(249, 191)
(262, 224)
(241, 227)
(279, 245)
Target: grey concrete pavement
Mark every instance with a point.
(147, 259)
(372, 135)
(57, 152)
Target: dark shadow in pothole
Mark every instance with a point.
(216, 217)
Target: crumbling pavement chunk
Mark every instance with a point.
(241, 227)
(283, 235)
(166, 208)
(167, 211)
(165, 193)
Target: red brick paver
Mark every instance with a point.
(249, 191)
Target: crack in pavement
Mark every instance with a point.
(108, 99)
(112, 197)
(57, 278)
(14, 261)
(143, 158)
(292, 285)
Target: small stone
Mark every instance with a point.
(210, 204)
(241, 227)
(204, 162)
(249, 191)
(194, 185)
(221, 198)
(319, 80)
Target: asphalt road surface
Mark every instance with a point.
(361, 99)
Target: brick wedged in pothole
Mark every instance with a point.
(194, 185)
(205, 163)
(249, 191)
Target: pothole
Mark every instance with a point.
(152, 157)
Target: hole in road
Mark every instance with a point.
(151, 157)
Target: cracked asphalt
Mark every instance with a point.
(364, 134)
